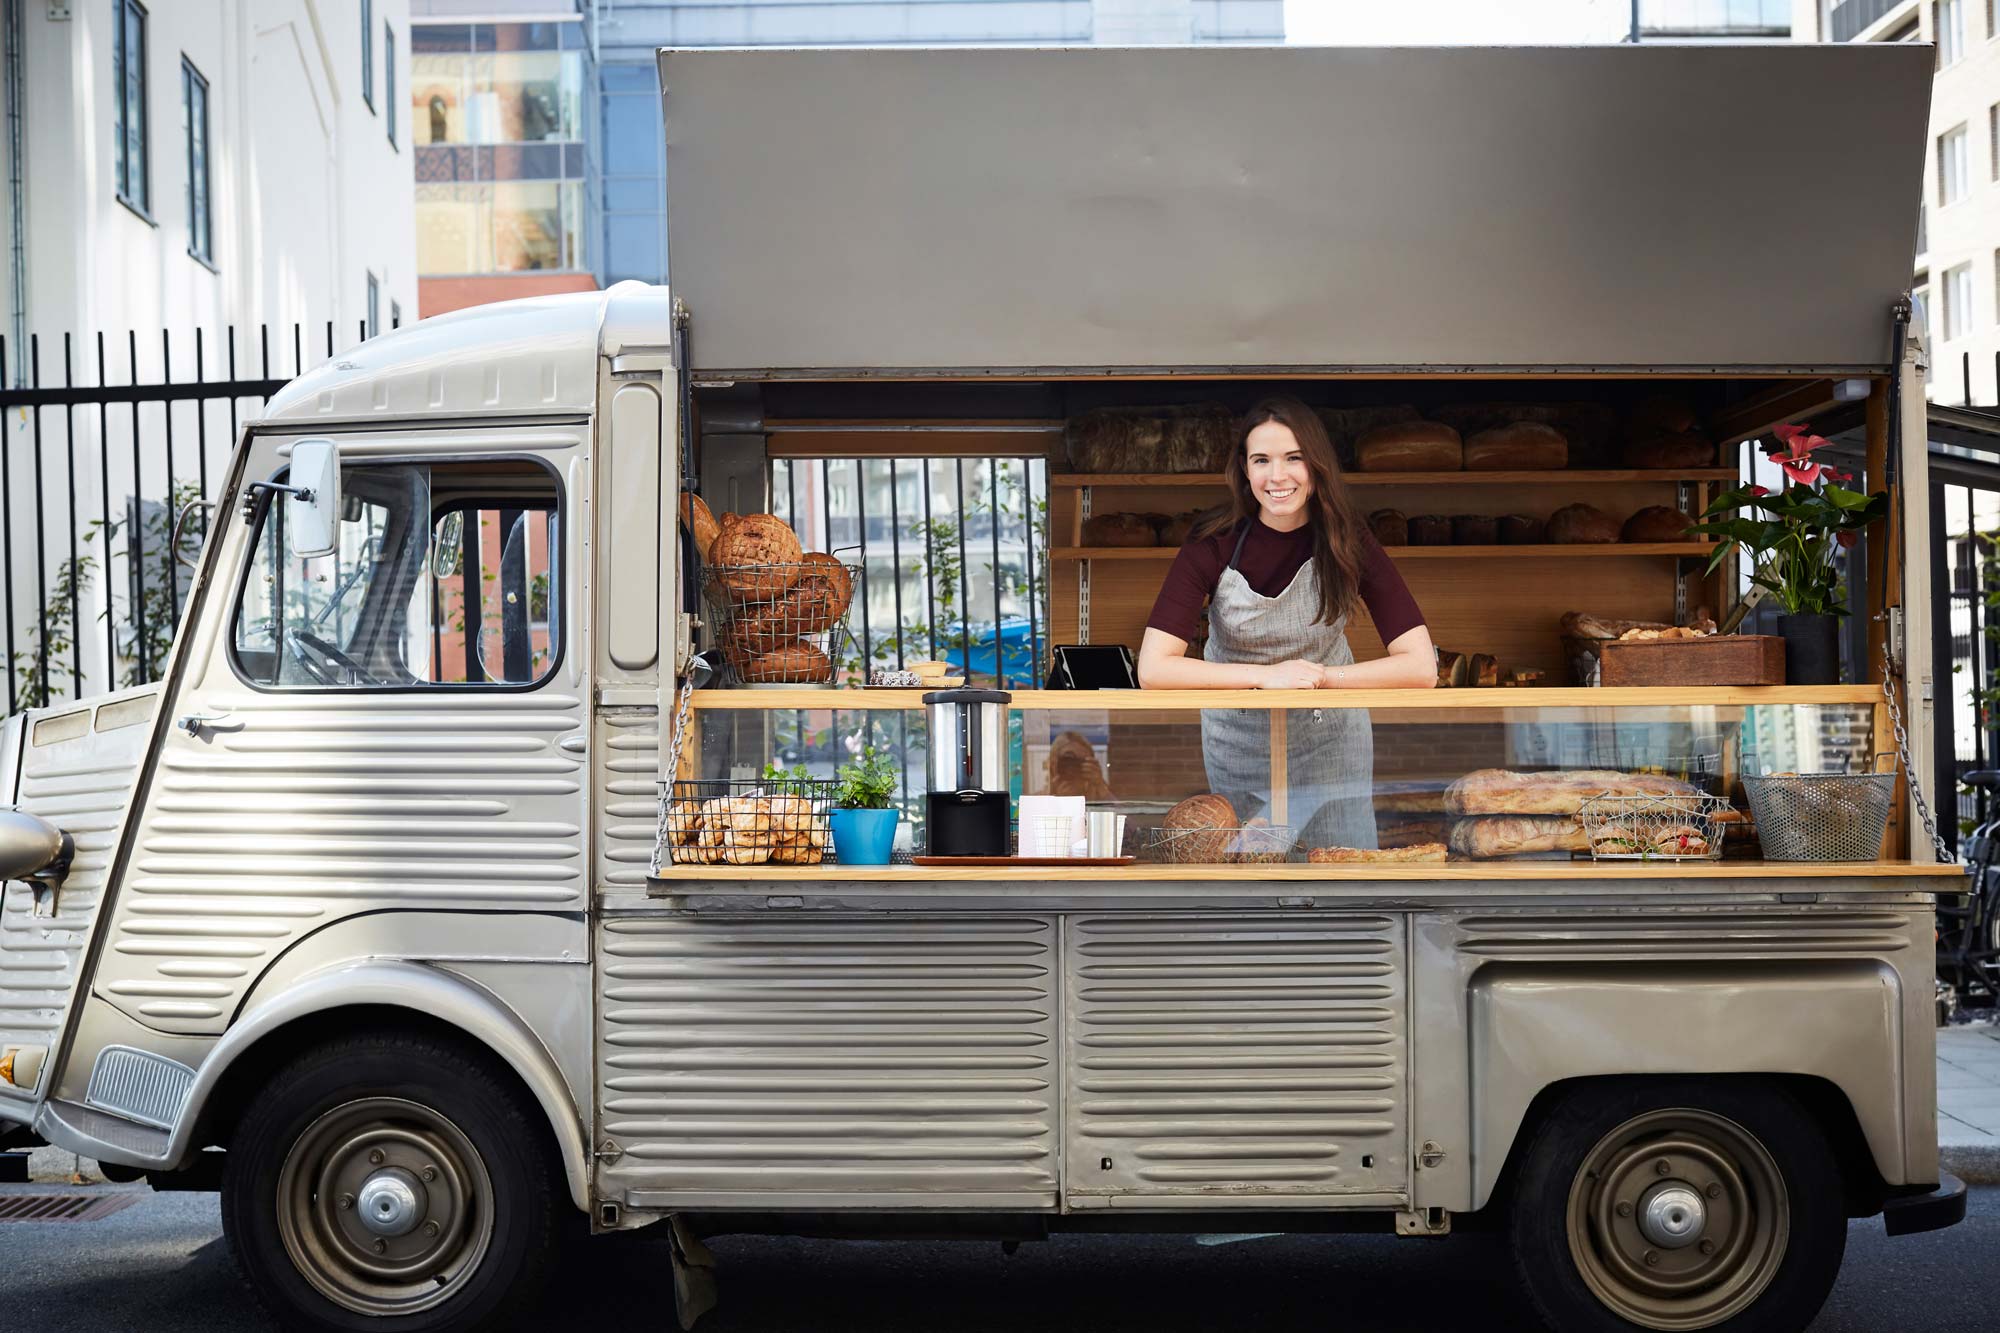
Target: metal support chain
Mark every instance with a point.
(1903, 755)
(661, 856)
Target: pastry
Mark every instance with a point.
(1497, 791)
(797, 663)
(1390, 526)
(1521, 530)
(1423, 851)
(1430, 530)
(1474, 530)
(1517, 835)
(1201, 830)
(756, 557)
(1120, 530)
(1523, 446)
(1581, 523)
(1410, 446)
(700, 522)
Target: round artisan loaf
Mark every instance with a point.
(1410, 446)
(1520, 446)
(701, 523)
(1390, 526)
(819, 598)
(1203, 827)
(1177, 529)
(1580, 523)
(1120, 530)
(756, 556)
(1656, 523)
(794, 664)
(1682, 450)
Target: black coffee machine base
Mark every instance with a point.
(967, 823)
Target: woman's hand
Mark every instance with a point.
(1292, 675)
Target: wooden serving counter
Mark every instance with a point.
(1080, 701)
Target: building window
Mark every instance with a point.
(1948, 22)
(395, 314)
(1957, 302)
(128, 78)
(374, 306)
(500, 227)
(1951, 166)
(368, 53)
(1993, 138)
(194, 110)
(1920, 312)
(389, 78)
(1923, 228)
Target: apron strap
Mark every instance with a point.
(1241, 537)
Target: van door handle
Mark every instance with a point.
(195, 723)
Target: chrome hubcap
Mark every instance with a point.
(1673, 1215)
(389, 1203)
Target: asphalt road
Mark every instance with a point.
(161, 1266)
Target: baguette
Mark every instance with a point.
(1496, 791)
(1517, 835)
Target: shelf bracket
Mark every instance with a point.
(1082, 571)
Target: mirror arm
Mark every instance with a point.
(257, 489)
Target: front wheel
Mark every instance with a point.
(390, 1182)
(1678, 1206)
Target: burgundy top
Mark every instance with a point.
(1268, 563)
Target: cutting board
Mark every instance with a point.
(1720, 659)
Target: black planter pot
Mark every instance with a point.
(1812, 649)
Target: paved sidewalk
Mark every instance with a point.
(1968, 1075)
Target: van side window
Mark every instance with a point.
(446, 576)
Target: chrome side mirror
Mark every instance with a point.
(37, 853)
(312, 507)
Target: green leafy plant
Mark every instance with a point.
(1794, 535)
(866, 782)
(781, 781)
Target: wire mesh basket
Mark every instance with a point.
(739, 821)
(1654, 828)
(1821, 816)
(780, 624)
(1246, 844)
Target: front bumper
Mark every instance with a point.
(1907, 1214)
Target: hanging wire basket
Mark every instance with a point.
(1654, 828)
(780, 624)
(1821, 816)
(739, 821)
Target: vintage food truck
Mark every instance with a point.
(373, 914)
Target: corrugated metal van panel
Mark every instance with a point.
(628, 824)
(1242, 1055)
(882, 1055)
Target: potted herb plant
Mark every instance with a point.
(864, 815)
(1793, 536)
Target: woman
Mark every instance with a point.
(1282, 570)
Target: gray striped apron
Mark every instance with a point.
(1329, 752)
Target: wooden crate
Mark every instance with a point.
(1721, 659)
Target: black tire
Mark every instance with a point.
(424, 1105)
(1779, 1224)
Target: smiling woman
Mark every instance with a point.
(1281, 569)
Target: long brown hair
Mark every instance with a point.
(1337, 529)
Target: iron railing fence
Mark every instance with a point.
(92, 478)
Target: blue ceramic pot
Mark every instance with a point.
(864, 837)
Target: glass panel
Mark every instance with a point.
(454, 228)
(528, 225)
(134, 177)
(440, 37)
(437, 97)
(632, 136)
(632, 248)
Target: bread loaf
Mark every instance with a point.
(1588, 427)
(756, 557)
(1202, 830)
(1345, 425)
(1474, 530)
(819, 598)
(1656, 523)
(1176, 530)
(1410, 446)
(1390, 526)
(796, 663)
(1192, 438)
(1430, 530)
(1521, 530)
(1581, 523)
(1334, 856)
(1524, 446)
(1397, 830)
(1688, 450)
(701, 524)
(1517, 835)
(1660, 414)
(1120, 530)
(1497, 791)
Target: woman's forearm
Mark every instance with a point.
(1163, 671)
(1400, 671)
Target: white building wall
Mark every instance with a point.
(308, 194)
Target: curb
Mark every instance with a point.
(1973, 1163)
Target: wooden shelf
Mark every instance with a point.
(1576, 550)
(1078, 480)
(1126, 701)
(790, 876)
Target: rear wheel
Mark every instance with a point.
(1679, 1206)
(390, 1182)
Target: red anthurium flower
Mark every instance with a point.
(1832, 475)
(1801, 472)
(1847, 539)
(1760, 490)
(1791, 434)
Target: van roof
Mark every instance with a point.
(513, 358)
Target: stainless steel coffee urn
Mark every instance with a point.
(966, 809)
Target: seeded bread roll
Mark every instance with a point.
(1120, 530)
(1581, 523)
(1523, 446)
(1390, 526)
(1656, 523)
(1410, 446)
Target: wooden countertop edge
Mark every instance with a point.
(1083, 701)
(789, 877)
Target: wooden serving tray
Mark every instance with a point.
(1719, 659)
(1023, 860)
